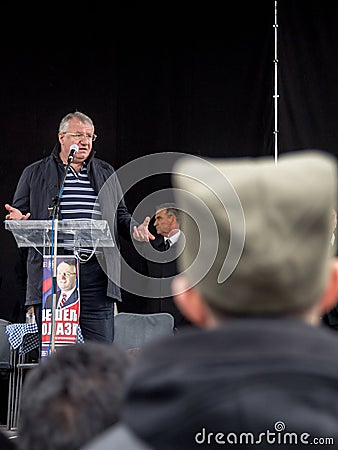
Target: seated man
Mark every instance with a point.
(260, 370)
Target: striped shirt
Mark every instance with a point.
(78, 201)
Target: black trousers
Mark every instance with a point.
(96, 308)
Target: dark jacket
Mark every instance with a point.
(162, 265)
(249, 376)
(39, 185)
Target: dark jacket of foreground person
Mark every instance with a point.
(265, 377)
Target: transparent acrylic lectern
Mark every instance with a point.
(46, 236)
(41, 233)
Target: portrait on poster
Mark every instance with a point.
(60, 300)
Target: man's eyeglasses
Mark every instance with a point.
(66, 274)
(80, 136)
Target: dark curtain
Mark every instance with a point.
(196, 79)
(308, 75)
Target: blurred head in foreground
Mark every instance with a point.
(264, 232)
(72, 396)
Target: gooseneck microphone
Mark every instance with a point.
(55, 206)
(73, 149)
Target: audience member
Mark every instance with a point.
(260, 370)
(72, 396)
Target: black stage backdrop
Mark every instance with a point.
(197, 81)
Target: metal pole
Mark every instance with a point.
(53, 324)
(275, 96)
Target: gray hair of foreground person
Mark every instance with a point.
(72, 396)
(278, 215)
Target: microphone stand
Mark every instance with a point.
(54, 212)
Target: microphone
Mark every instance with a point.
(73, 149)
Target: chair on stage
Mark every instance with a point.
(21, 338)
(132, 331)
(6, 370)
(22, 367)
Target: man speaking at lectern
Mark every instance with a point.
(39, 185)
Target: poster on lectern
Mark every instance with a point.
(60, 302)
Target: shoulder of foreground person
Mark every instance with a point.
(240, 335)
